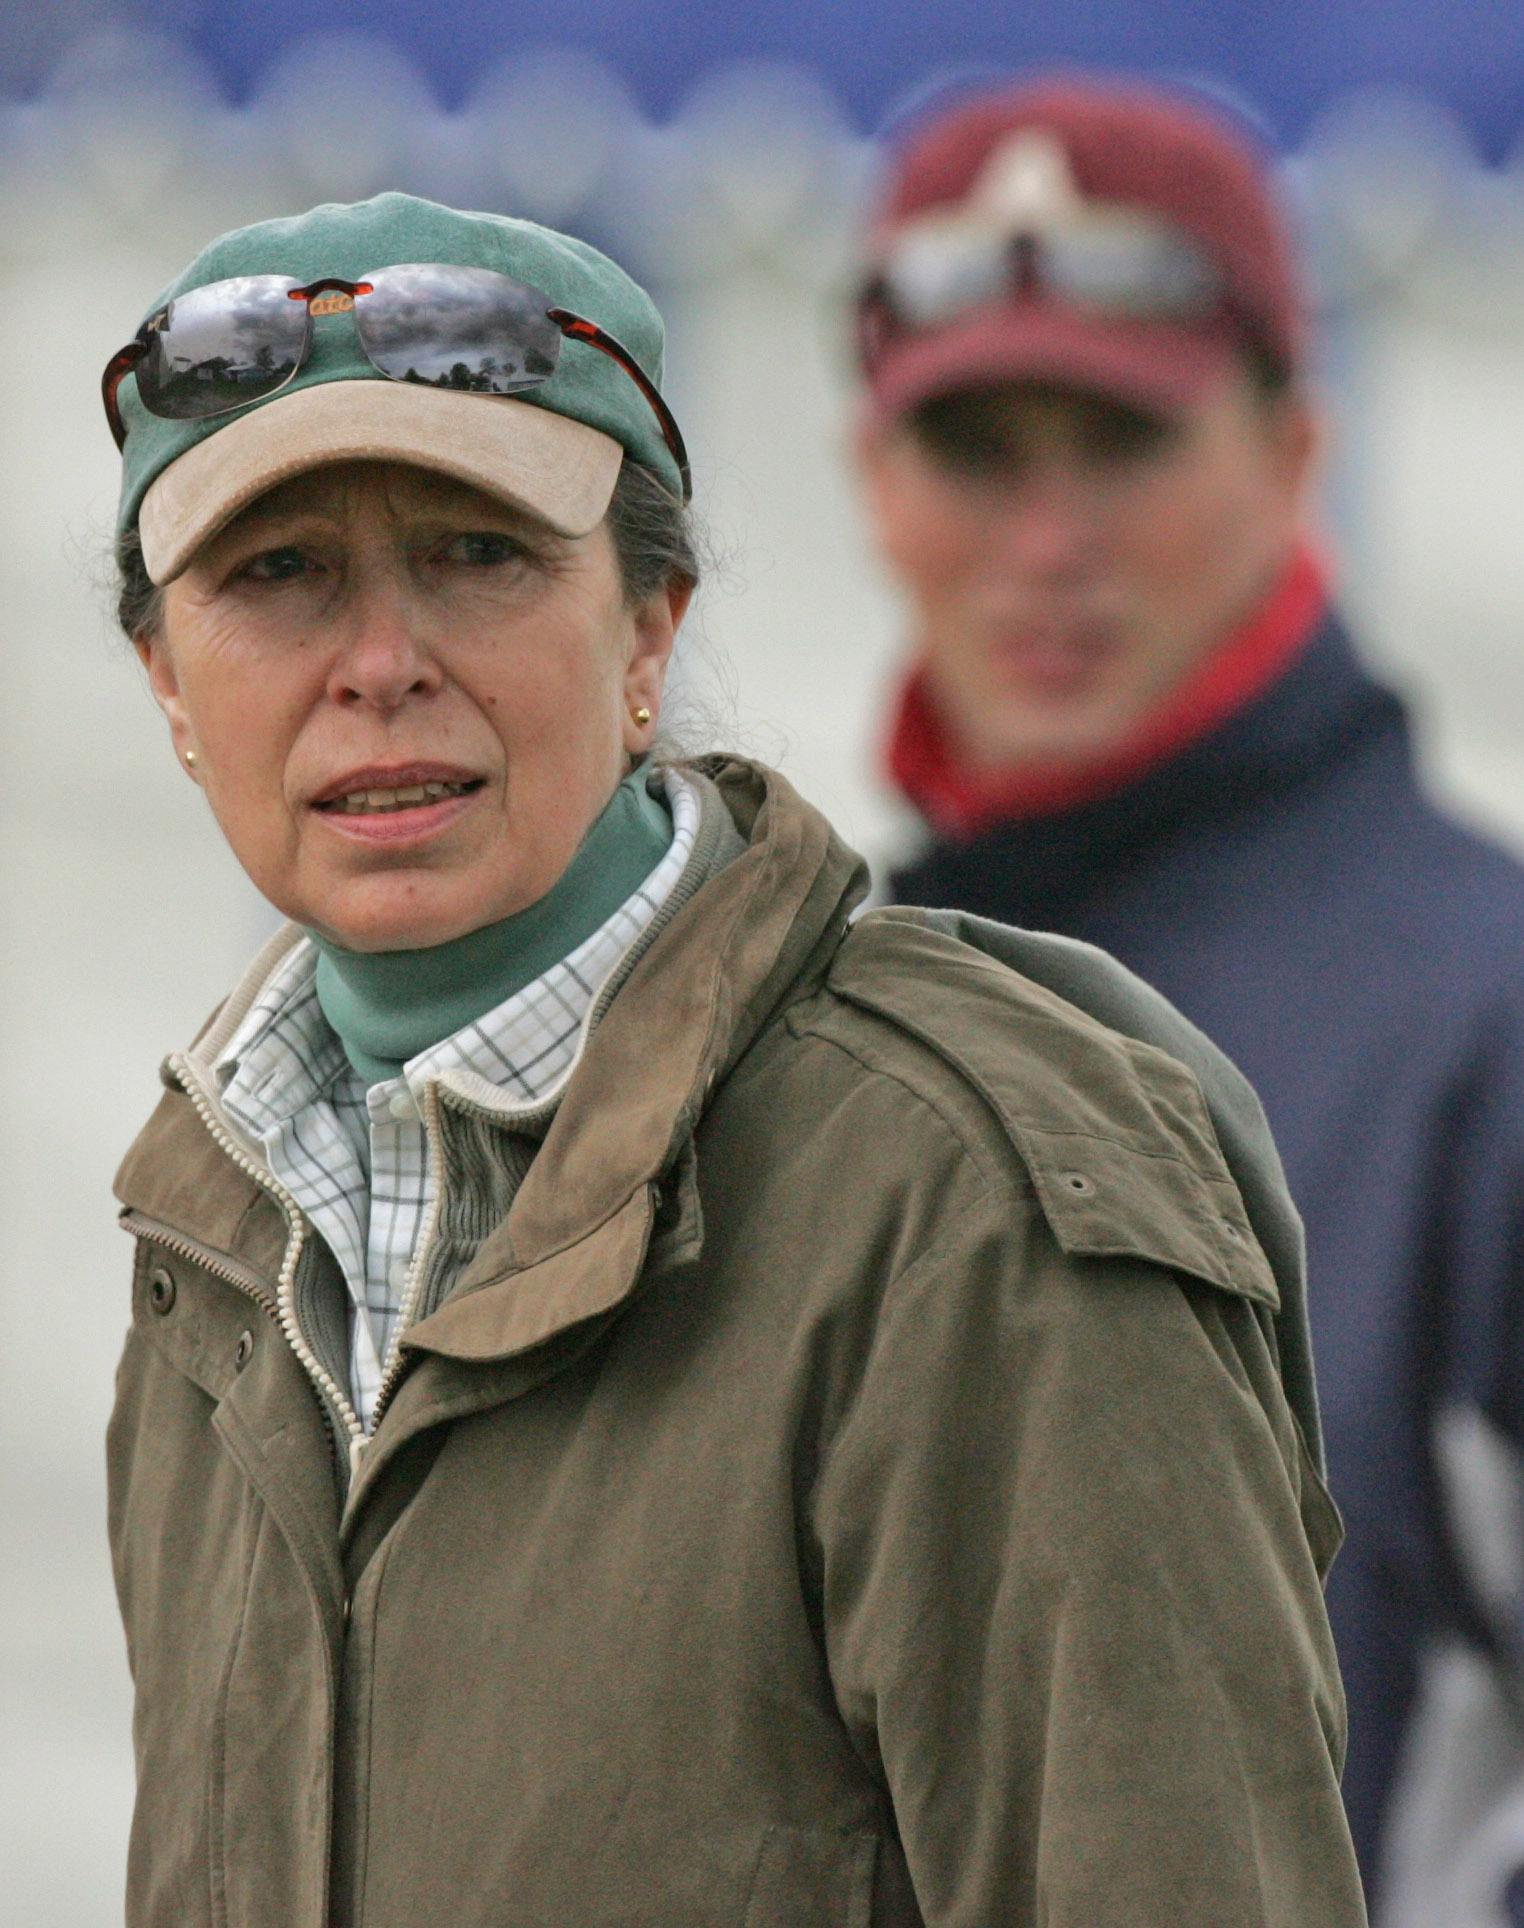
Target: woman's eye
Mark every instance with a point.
(483, 549)
(278, 565)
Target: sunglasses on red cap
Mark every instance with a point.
(1113, 266)
(231, 343)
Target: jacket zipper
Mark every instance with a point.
(284, 1307)
(391, 1371)
(206, 1257)
(153, 1232)
(412, 1291)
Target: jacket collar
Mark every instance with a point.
(686, 1013)
(581, 1219)
(1320, 714)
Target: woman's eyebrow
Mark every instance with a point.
(260, 522)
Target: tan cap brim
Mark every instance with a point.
(560, 471)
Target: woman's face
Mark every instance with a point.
(406, 702)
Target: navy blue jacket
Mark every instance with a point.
(1287, 885)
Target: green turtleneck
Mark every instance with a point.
(387, 1006)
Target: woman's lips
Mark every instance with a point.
(378, 806)
(388, 798)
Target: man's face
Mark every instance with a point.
(1069, 559)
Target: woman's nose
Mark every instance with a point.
(385, 658)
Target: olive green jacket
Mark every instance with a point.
(853, 1484)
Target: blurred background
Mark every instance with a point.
(724, 156)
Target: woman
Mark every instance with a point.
(646, 1404)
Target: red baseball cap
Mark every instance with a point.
(1095, 234)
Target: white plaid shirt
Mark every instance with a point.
(356, 1158)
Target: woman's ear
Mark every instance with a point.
(153, 654)
(656, 623)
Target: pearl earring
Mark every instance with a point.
(190, 759)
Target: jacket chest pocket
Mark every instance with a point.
(812, 1878)
(200, 1325)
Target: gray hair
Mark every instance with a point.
(655, 542)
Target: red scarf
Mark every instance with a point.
(958, 803)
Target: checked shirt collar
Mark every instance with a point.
(356, 1158)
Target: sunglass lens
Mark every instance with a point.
(940, 272)
(221, 346)
(455, 327)
(1130, 271)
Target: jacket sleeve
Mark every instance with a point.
(1071, 1601)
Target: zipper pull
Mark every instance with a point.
(357, 1445)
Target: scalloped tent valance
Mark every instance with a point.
(760, 160)
(1289, 61)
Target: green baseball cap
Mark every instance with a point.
(554, 450)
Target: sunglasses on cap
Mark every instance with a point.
(1120, 267)
(221, 347)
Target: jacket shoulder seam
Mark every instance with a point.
(1014, 1175)
(1123, 1163)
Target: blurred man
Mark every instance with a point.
(1131, 715)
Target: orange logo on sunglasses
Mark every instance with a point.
(332, 303)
